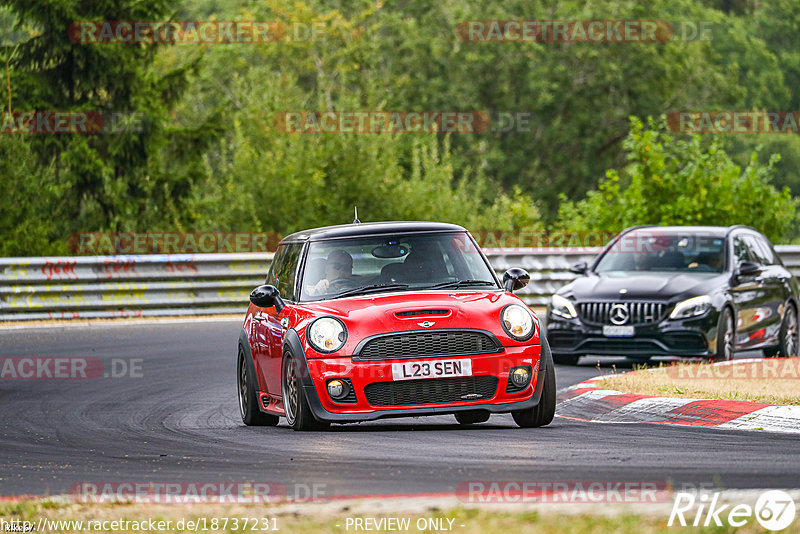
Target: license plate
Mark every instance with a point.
(618, 331)
(431, 369)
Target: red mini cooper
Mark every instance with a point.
(391, 319)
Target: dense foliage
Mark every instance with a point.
(210, 157)
(671, 181)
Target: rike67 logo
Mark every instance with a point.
(774, 510)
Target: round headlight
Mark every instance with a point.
(327, 334)
(338, 389)
(520, 377)
(517, 322)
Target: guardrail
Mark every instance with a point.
(128, 286)
(209, 284)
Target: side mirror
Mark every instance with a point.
(266, 297)
(748, 268)
(515, 278)
(579, 268)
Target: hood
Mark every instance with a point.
(664, 286)
(368, 315)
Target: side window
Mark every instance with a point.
(740, 250)
(273, 268)
(287, 271)
(756, 250)
(766, 251)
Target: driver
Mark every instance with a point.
(339, 266)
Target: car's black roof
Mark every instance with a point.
(717, 231)
(373, 228)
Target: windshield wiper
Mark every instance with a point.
(460, 283)
(369, 289)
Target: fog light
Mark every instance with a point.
(338, 389)
(520, 377)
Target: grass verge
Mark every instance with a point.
(772, 381)
(464, 520)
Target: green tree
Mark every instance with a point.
(673, 181)
(264, 179)
(130, 179)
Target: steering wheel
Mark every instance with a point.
(339, 284)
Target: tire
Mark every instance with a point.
(566, 359)
(295, 405)
(788, 336)
(472, 417)
(542, 414)
(726, 335)
(248, 398)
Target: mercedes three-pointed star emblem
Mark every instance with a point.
(619, 314)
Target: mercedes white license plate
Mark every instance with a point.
(431, 369)
(618, 331)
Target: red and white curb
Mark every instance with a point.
(588, 402)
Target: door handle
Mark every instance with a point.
(259, 318)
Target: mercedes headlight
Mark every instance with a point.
(691, 307)
(563, 307)
(326, 334)
(517, 322)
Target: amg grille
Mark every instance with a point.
(622, 345)
(431, 391)
(433, 343)
(639, 313)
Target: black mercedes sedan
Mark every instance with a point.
(689, 291)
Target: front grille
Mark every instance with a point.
(639, 313)
(432, 343)
(431, 391)
(685, 340)
(622, 345)
(562, 339)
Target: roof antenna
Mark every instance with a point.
(356, 221)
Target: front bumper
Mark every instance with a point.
(695, 337)
(362, 374)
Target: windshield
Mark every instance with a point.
(656, 250)
(344, 267)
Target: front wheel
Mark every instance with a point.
(542, 414)
(248, 398)
(726, 334)
(295, 405)
(789, 335)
